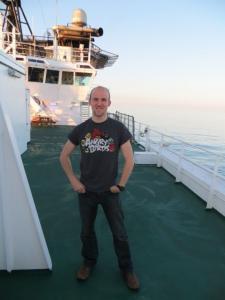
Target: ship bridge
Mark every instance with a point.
(72, 43)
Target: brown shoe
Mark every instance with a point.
(83, 273)
(131, 280)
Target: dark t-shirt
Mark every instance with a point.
(99, 146)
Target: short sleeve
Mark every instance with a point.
(125, 135)
(74, 136)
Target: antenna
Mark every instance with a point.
(56, 9)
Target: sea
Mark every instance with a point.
(204, 128)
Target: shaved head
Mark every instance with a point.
(99, 88)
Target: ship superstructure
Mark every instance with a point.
(60, 68)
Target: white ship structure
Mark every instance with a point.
(59, 68)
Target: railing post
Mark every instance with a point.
(35, 52)
(139, 133)
(213, 183)
(14, 41)
(148, 139)
(89, 50)
(133, 128)
(159, 160)
(181, 156)
(128, 123)
(55, 47)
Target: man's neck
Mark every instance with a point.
(99, 119)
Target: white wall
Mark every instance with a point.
(13, 98)
(22, 243)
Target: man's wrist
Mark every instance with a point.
(121, 187)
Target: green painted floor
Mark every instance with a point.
(178, 247)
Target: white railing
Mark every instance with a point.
(99, 54)
(154, 140)
(14, 44)
(201, 170)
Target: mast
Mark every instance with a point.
(15, 16)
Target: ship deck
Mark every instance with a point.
(178, 247)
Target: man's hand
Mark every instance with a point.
(67, 167)
(78, 186)
(114, 189)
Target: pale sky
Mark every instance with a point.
(170, 52)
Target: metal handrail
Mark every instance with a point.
(28, 45)
(142, 134)
(179, 140)
(145, 136)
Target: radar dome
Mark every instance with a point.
(79, 17)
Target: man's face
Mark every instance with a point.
(99, 102)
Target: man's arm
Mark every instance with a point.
(127, 152)
(67, 167)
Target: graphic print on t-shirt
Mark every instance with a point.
(97, 140)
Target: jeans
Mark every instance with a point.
(88, 205)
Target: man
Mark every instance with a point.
(100, 138)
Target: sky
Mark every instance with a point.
(171, 53)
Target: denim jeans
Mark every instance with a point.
(88, 205)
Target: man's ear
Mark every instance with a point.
(109, 103)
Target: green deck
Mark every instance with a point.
(178, 247)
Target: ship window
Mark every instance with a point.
(35, 74)
(82, 79)
(20, 58)
(52, 76)
(67, 77)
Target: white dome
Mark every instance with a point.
(79, 17)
